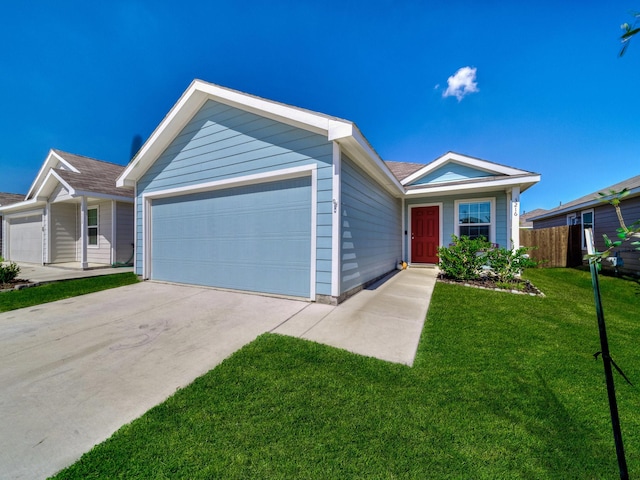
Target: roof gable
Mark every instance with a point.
(452, 162)
(452, 171)
(79, 175)
(199, 92)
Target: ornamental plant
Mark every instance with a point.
(8, 272)
(507, 265)
(464, 258)
(470, 259)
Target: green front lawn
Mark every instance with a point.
(504, 386)
(50, 292)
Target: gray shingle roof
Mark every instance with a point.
(95, 176)
(629, 183)
(9, 198)
(402, 170)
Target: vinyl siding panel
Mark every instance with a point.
(451, 172)
(60, 194)
(605, 221)
(64, 232)
(371, 242)
(557, 221)
(124, 231)
(102, 253)
(222, 142)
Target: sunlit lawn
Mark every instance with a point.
(504, 386)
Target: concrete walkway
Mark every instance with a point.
(51, 273)
(383, 321)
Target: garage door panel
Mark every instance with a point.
(255, 238)
(25, 239)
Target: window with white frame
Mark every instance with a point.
(92, 226)
(475, 218)
(587, 222)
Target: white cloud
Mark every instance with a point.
(462, 83)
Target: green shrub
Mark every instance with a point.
(8, 272)
(507, 265)
(467, 259)
(464, 258)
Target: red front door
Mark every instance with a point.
(425, 234)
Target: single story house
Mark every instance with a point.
(240, 192)
(591, 211)
(73, 213)
(7, 199)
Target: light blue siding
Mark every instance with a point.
(448, 214)
(451, 172)
(222, 142)
(371, 242)
(255, 238)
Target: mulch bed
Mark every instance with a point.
(16, 282)
(525, 287)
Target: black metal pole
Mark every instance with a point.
(606, 360)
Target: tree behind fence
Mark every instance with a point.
(554, 246)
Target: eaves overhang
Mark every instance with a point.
(484, 185)
(197, 95)
(563, 210)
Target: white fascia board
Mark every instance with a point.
(463, 160)
(186, 106)
(195, 97)
(17, 208)
(52, 176)
(370, 162)
(51, 159)
(102, 196)
(54, 155)
(277, 111)
(484, 186)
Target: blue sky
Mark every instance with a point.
(545, 89)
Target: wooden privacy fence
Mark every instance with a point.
(555, 246)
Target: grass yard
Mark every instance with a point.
(51, 292)
(504, 387)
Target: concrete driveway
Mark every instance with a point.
(72, 372)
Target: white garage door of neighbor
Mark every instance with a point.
(254, 238)
(25, 239)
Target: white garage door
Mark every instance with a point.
(253, 238)
(25, 239)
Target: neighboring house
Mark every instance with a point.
(590, 211)
(7, 199)
(73, 213)
(240, 192)
(525, 217)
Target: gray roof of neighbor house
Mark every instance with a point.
(632, 184)
(95, 176)
(9, 198)
(402, 170)
(525, 217)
